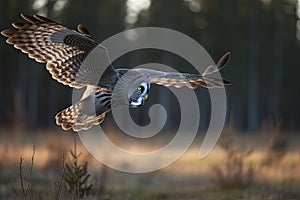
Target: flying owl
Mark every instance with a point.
(64, 51)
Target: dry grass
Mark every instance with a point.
(187, 178)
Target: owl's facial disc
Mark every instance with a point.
(139, 95)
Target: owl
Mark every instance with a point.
(64, 51)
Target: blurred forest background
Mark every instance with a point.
(263, 37)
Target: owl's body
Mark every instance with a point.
(65, 53)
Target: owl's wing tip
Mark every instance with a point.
(8, 32)
(82, 29)
(223, 61)
(226, 82)
(24, 15)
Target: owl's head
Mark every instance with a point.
(140, 93)
(131, 89)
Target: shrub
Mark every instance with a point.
(235, 172)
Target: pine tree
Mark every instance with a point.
(77, 176)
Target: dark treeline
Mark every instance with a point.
(262, 35)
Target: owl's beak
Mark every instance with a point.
(134, 104)
(143, 102)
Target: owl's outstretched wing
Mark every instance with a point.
(85, 113)
(192, 81)
(62, 49)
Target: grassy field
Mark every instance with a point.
(242, 166)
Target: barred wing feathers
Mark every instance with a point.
(62, 49)
(180, 80)
(191, 81)
(80, 116)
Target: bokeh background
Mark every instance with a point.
(258, 156)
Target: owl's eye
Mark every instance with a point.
(141, 88)
(146, 96)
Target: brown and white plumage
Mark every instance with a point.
(65, 50)
(79, 116)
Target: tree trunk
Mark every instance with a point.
(277, 69)
(32, 104)
(253, 68)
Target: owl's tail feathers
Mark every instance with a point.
(77, 118)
